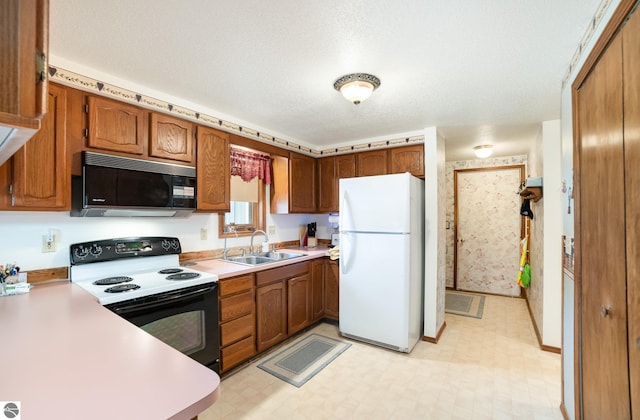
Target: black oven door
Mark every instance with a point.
(186, 319)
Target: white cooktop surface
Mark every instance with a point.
(144, 272)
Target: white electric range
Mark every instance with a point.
(141, 280)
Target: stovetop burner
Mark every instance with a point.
(112, 280)
(122, 288)
(170, 271)
(183, 276)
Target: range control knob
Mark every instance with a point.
(166, 244)
(175, 244)
(81, 252)
(95, 250)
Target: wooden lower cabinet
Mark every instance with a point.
(299, 303)
(237, 320)
(282, 302)
(332, 289)
(317, 289)
(271, 304)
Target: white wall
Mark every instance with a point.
(22, 233)
(435, 241)
(552, 242)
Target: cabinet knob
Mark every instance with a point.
(461, 240)
(605, 312)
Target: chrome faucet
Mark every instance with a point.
(266, 237)
(228, 229)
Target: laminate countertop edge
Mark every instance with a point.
(64, 355)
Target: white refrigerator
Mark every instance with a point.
(382, 260)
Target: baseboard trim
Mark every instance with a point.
(544, 347)
(437, 337)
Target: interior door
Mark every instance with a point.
(488, 229)
(601, 223)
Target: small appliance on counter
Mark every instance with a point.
(334, 218)
(140, 279)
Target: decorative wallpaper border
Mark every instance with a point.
(595, 21)
(88, 84)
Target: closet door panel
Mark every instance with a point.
(631, 66)
(603, 306)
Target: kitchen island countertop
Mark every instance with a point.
(65, 356)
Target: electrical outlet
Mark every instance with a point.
(272, 230)
(203, 234)
(49, 243)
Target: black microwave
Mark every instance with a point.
(126, 187)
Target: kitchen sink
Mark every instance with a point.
(276, 255)
(263, 258)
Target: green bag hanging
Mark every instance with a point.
(526, 276)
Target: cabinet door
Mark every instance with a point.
(317, 289)
(271, 322)
(371, 163)
(299, 302)
(327, 185)
(23, 54)
(39, 176)
(116, 126)
(170, 138)
(332, 289)
(23, 42)
(302, 183)
(407, 159)
(346, 166)
(213, 171)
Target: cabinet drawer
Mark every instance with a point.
(276, 274)
(235, 306)
(238, 353)
(235, 285)
(238, 328)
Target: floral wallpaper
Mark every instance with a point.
(470, 164)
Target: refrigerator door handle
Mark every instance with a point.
(344, 257)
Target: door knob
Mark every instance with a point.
(605, 312)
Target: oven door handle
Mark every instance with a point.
(121, 310)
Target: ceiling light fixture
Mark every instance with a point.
(483, 151)
(356, 87)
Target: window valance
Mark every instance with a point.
(248, 165)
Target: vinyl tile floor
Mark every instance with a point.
(489, 368)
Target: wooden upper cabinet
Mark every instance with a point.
(40, 167)
(116, 126)
(170, 138)
(213, 170)
(327, 185)
(302, 183)
(407, 159)
(370, 163)
(346, 166)
(24, 27)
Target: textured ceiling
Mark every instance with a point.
(482, 71)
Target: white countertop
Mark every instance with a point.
(65, 356)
